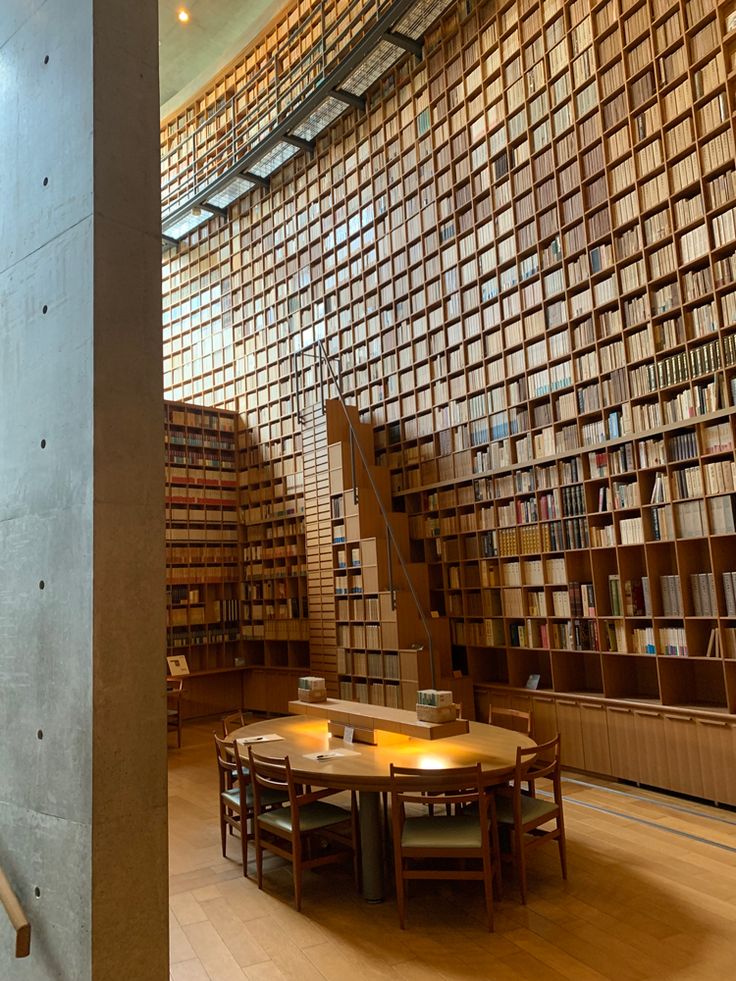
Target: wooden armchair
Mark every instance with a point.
(526, 816)
(468, 833)
(289, 831)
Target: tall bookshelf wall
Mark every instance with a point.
(202, 555)
(274, 604)
(523, 259)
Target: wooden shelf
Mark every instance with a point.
(201, 538)
(374, 717)
(522, 261)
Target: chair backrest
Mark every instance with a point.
(538, 762)
(173, 692)
(232, 722)
(460, 786)
(270, 774)
(225, 760)
(513, 719)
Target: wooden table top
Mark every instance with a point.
(494, 748)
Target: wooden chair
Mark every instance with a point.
(524, 815)
(290, 831)
(513, 719)
(466, 834)
(232, 722)
(174, 691)
(236, 797)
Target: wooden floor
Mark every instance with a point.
(651, 894)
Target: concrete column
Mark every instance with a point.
(82, 706)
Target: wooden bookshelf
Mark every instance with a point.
(274, 602)
(382, 646)
(522, 258)
(202, 561)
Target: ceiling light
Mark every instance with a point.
(182, 16)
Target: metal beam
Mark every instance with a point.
(333, 82)
(349, 98)
(214, 209)
(169, 242)
(307, 145)
(406, 43)
(256, 178)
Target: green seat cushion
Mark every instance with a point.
(268, 797)
(311, 818)
(532, 809)
(231, 797)
(441, 831)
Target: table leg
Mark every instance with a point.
(369, 809)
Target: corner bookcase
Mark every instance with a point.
(202, 560)
(274, 604)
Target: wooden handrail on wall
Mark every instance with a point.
(17, 918)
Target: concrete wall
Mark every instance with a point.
(82, 708)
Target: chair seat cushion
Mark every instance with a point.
(441, 831)
(231, 797)
(269, 798)
(312, 817)
(532, 809)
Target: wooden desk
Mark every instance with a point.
(368, 771)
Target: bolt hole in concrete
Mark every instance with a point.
(43, 444)
(45, 181)
(42, 585)
(39, 734)
(44, 309)
(37, 892)
(46, 60)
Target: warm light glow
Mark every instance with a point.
(432, 761)
(183, 16)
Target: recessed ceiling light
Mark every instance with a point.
(183, 16)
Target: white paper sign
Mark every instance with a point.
(348, 734)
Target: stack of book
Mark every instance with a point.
(312, 689)
(435, 706)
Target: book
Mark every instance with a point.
(533, 681)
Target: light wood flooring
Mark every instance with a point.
(651, 895)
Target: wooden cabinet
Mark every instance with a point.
(651, 748)
(684, 769)
(622, 743)
(269, 690)
(596, 749)
(716, 742)
(544, 718)
(568, 723)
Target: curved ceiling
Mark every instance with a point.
(217, 31)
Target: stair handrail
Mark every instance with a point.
(18, 919)
(324, 359)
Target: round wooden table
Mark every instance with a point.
(366, 768)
